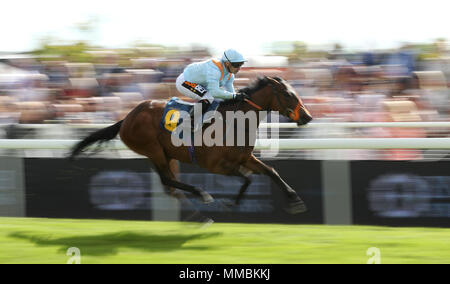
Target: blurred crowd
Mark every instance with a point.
(363, 87)
(65, 92)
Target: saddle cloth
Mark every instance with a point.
(172, 113)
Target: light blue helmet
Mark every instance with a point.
(233, 56)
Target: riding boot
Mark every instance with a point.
(204, 105)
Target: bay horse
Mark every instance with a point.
(141, 132)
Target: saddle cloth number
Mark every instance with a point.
(195, 88)
(171, 119)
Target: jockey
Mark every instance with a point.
(206, 80)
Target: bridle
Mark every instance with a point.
(293, 114)
(253, 104)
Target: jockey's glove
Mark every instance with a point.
(240, 96)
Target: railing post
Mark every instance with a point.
(12, 187)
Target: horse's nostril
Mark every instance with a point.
(304, 120)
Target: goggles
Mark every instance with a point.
(234, 64)
(237, 64)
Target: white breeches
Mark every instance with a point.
(192, 90)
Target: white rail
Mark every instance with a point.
(438, 124)
(356, 143)
(264, 144)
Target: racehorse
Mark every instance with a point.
(141, 132)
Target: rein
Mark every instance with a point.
(253, 104)
(293, 114)
(259, 107)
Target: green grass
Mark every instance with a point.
(25, 240)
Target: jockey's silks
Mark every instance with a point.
(209, 74)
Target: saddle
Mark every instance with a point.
(174, 110)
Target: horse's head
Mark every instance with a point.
(287, 102)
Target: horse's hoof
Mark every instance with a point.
(206, 223)
(296, 207)
(207, 198)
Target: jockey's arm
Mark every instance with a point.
(229, 85)
(214, 89)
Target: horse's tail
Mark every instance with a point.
(102, 135)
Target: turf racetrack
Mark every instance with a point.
(26, 240)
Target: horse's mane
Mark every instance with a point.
(253, 87)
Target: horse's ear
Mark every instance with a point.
(278, 79)
(272, 81)
(276, 82)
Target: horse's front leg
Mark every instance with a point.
(229, 168)
(243, 173)
(296, 204)
(242, 190)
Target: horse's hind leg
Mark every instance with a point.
(174, 174)
(296, 204)
(168, 177)
(174, 171)
(195, 215)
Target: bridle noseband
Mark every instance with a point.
(293, 114)
(288, 112)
